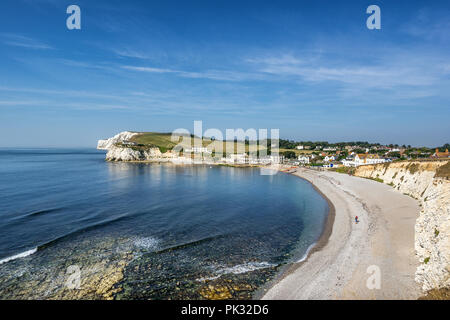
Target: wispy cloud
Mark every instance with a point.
(131, 53)
(392, 69)
(429, 25)
(284, 59)
(17, 40)
(208, 74)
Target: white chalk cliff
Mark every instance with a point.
(118, 152)
(121, 137)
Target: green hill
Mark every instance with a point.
(164, 142)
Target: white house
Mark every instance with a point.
(239, 158)
(197, 150)
(329, 158)
(363, 159)
(300, 147)
(303, 159)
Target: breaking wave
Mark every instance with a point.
(148, 243)
(19, 255)
(238, 269)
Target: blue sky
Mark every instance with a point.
(310, 68)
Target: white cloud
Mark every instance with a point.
(209, 74)
(24, 42)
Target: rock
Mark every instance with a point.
(108, 143)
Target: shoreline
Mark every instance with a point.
(336, 267)
(318, 245)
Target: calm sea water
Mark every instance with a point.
(146, 231)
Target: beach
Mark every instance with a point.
(372, 259)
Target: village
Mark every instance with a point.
(355, 155)
(311, 154)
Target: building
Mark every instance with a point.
(239, 158)
(331, 165)
(330, 149)
(197, 150)
(363, 159)
(441, 155)
(329, 158)
(303, 159)
(300, 147)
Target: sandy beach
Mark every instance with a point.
(350, 254)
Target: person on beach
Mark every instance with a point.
(356, 219)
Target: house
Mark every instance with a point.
(329, 158)
(331, 165)
(197, 150)
(330, 149)
(300, 147)
(276, 159)
(239, 158)
(363, 159)
(441, 155)
(303, 159)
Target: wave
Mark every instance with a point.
(305, 256)
(81, 230)
(239, 269)
(20, 255)
(191, 243)
(148, 243)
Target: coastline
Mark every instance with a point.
(321, 242)
(336, 266)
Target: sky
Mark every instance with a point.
(311, 69)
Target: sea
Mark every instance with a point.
(73, 226)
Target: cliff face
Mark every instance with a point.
(109, 143)
(129, 154)
(428, 182)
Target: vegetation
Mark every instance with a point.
(437, 294)
(413, 168)
(297, 152)
(443, 171)
(164, 142)
(289, 154)
(342, 169)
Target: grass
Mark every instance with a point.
(155, 139)
(297, 152)
(443, 171)
(413, 168)
(342, 169)
(164, 142)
